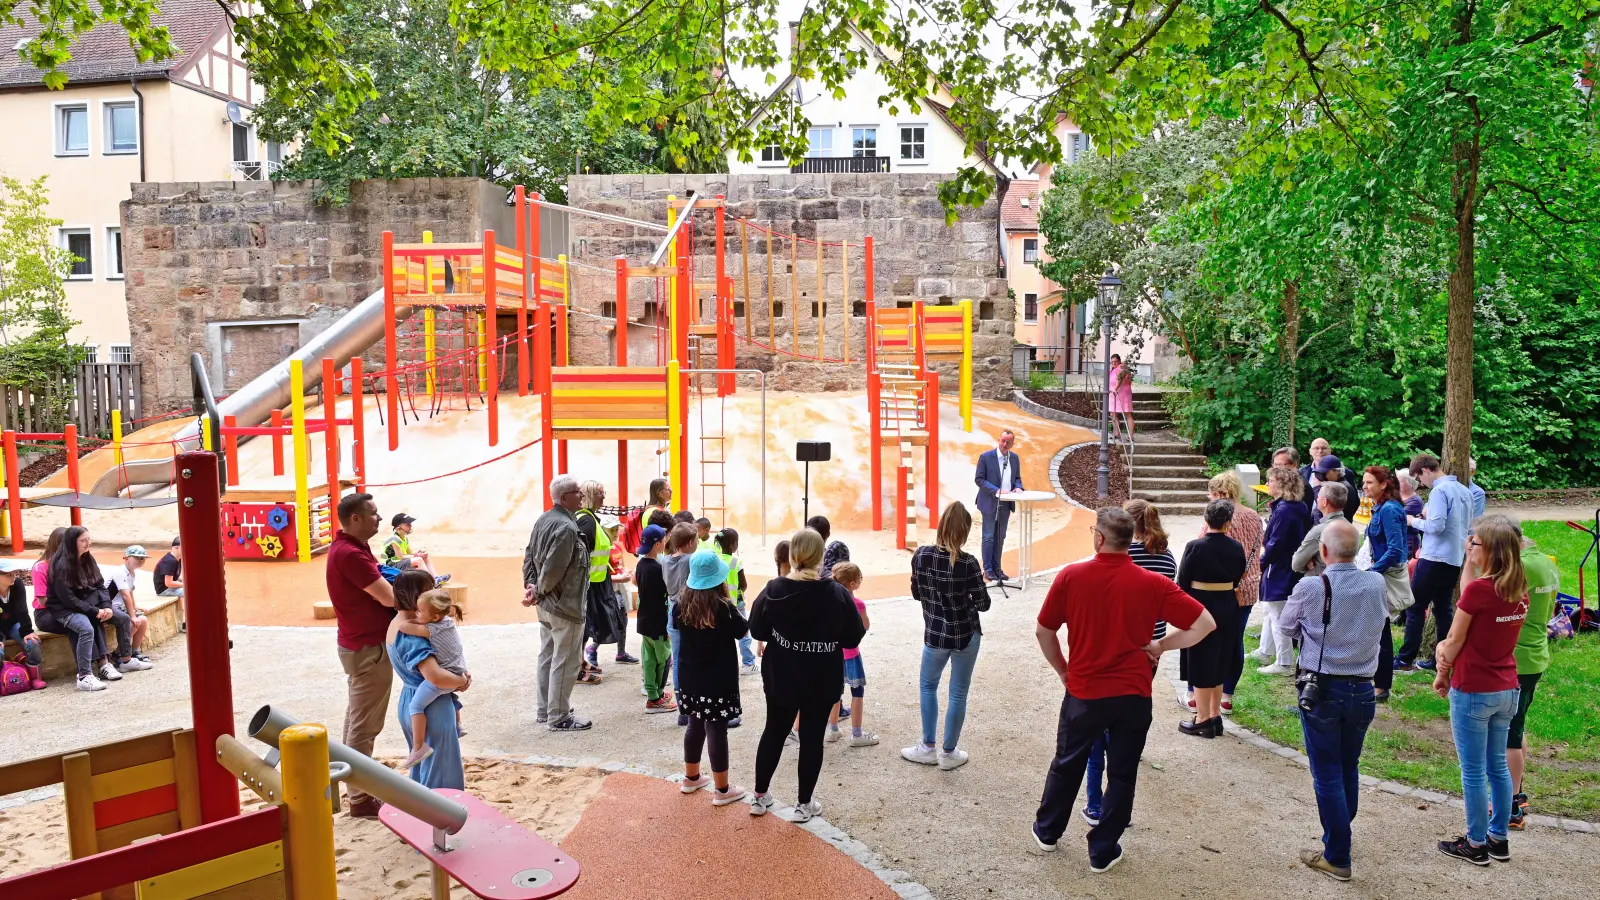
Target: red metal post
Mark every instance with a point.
(560, 338)
(358, 425)
(622, 311)
(391, 353)
(529, 276)
(536, 275)
(491, 331)
(931, 451)
(330, 441)
(875, 451)
(230, 449)
(277, 443)
(71, 436)
(206, 610)
(680, 327)
(13, 489)
(547, 450)
(725, 383)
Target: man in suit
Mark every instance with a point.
(998, 470)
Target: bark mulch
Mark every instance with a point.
(1080, 478)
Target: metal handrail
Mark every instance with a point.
(685, 215)
(763, 376)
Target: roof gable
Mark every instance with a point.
(103, 53)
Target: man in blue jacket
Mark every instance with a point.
(999, 470)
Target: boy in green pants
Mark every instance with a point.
(652, 623)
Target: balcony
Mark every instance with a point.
(841, 165)
(253, 170)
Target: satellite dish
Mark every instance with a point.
(235, 112)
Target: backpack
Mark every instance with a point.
(14, 678)
(632, 530)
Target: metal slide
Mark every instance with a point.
(253, 404)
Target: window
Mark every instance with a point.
(243, 147)
(275, 153)
(80, 243)
(771, 153)
(913, 142)
(121, 353)
(114, 252)
(864, 140)
(1030, 307)
(821, 142)
(1078, 146)
(1030, 250)
(122, 128)
(72, 130)
(91, 353)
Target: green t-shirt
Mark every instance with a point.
(1533, 644)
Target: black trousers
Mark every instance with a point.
(769, 752)
(1125, 721)
(1384, 679)
(712, 735)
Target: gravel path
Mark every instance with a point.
(1213, 818)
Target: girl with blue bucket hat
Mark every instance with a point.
(708, 673)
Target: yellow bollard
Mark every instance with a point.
(307, 796)
(116, 437)
(302, 460)
(964, 400)
(428, 327)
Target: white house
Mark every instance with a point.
(859, 134)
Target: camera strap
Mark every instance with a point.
(1327, 616)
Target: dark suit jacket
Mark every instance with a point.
(988, 481)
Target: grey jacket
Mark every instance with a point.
(1308, 557)
(557, 564)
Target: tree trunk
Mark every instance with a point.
(1458, 393)
(1286, 386)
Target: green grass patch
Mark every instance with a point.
(1410, 742)
(1567, 545)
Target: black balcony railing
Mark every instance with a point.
(839, 165)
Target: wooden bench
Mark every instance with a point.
(59, 661)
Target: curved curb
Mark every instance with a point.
(1576, 826)
(1055, 469)
(1045, 412)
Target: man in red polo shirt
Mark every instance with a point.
(364, 603)
(1110, 607)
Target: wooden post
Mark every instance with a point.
(844, 256)
(71, 435)
(529, 275)
(901, 504)
(330, 443)
(230, 446)
(821, 315)
(744, 259)
(277, 442)
(491, 331)
(358, 425)
(772, 343)
(794, 289)
(391, 355)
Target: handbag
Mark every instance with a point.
(1399, 588)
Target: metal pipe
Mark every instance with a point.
(371, 777)
(763, 376)
(624, 220)
(666, 242)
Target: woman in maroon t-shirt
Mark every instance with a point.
(1478, 675)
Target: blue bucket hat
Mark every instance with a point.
(706, 571)
(648, 538)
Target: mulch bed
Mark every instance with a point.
(1080, 478)
(1076, 403)
(43, 467)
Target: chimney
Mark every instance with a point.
(794, 41)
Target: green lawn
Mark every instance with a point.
(1410, 740)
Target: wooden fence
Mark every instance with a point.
(92, 393)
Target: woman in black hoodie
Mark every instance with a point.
(807, 623)
(78, 605)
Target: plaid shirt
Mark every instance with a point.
(951, 597)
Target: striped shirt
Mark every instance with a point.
(1160, 563)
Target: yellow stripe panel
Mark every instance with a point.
(611, 392)
(214, 875)
(132, 780)
(609, 423)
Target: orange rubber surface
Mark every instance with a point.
(641, 837)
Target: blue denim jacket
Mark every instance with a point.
(1387, 532)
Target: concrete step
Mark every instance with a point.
(1181, 509)
(1161, 470)
(1162, 498)
(1149, 406)
(1167, 455)
(1190, 483)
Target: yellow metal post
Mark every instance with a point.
(675, 435)
(965, 401)
(566, 282)
(672, 256)
(429, 351)
(306, 794)
(116, 437)
(302, 460)
(205, 432)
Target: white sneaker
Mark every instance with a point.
(90, 683)
(690, 785)
(1275, 669)
(833, 734)
(1039, 841)
(864, 739)
(921, 753)
(1258, 656)
(134, 664)
(761, 804)
(955, 759)
(805, 812)
(749, 670)
(108, 672)
(733, 794)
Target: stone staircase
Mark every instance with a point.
(1165, 469)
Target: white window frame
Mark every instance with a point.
(119, 353)
(912, 160)
(776, 156)
(91, 353)
(1034, 319)
(64, 243)
(863, 154)
(106, 106)
(812, 150)
(58, 110)
(115, 268)
(1034, 260)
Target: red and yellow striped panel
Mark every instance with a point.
(214, 878)
(125, 796)
(600, 398)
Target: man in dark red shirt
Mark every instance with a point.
(1110, 607)
(363, 601)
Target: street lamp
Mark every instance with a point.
(1107, 297)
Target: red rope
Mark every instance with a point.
(826, 359)
(458, 471)
(793, 237)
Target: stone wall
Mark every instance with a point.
(916, 257)
(239, 269)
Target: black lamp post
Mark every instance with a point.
(1107, 297)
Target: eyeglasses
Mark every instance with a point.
(570, 493)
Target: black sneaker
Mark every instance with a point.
(570, 722)
(1428, 665)
(1461, 849)
(1519, 811)
(1499, 850)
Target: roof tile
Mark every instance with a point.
(103, 52)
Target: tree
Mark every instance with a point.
(34, 323)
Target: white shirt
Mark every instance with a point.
(1005, 472)
(123, 579)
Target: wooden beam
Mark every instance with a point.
(744, 257)
(794, 289)
(771, 327)
(821, 315)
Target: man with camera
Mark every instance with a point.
(1337, 618)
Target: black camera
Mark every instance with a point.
(1310, 690)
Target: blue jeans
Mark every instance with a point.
(1479, 723)
(933, 663)
(994, 537)
(1334, 730)
(1096, 770)
(675, 638)
(30, 652)
(746, 655)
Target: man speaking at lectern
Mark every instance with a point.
(1000, 471)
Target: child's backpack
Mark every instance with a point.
(14, 678)
(632, 529)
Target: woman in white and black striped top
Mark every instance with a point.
(1149, 551)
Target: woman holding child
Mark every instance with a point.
(415, 661)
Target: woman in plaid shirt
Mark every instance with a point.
(949, 585)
